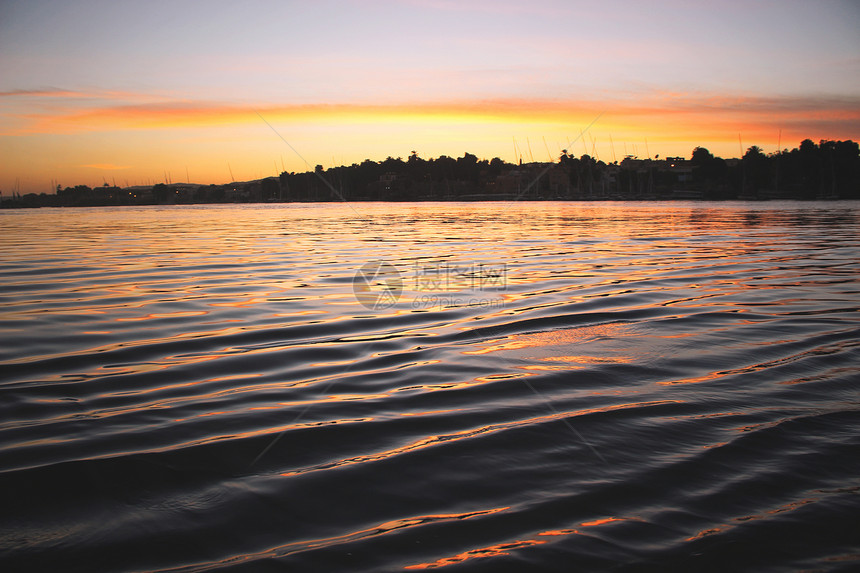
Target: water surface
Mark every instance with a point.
(539, 387)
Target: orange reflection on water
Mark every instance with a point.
(412, 446)
(601, 521)
(564, 336)
(782, 509)
(489, 551)
(164, 315)
(298, 313)
(590, 359)
(576, 362)
(553, 367)
(461, 385)
(241, 303)
(555, 532)
(431, 412)
(731, 372)
(706, 532)
(756, 516)
(435, 440)
(501, 549)
(381, 529)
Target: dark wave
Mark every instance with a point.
(618, 387)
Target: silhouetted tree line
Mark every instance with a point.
(827, 170)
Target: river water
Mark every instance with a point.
(457, 386)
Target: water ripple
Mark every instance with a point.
(626, 387)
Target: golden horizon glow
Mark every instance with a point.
(737, 115)
(180, 137)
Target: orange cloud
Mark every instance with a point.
(204, 114)
(47, 92)
(665, 115)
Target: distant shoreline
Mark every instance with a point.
(829, 170)
(14, 207)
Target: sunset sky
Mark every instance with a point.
(134, 92)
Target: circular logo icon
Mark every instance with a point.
(377, 285)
